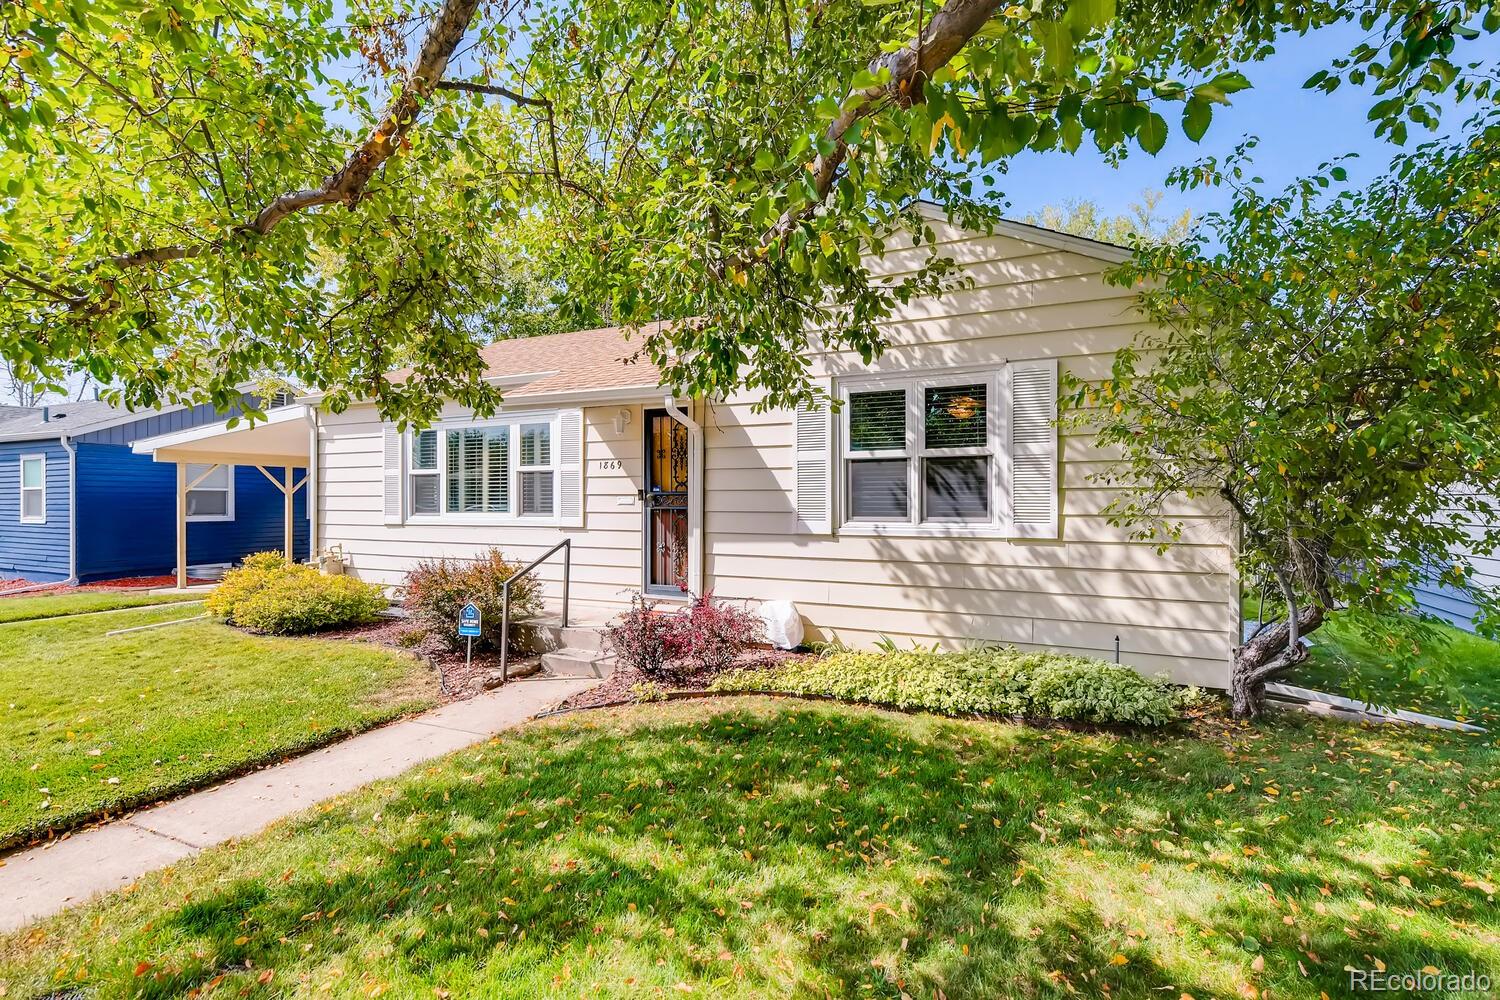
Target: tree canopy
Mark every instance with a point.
(1329, 368)
(198, 191)
(1143, 223)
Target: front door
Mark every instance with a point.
(665, 532)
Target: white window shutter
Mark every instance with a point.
(395, 480)
(1032, 447)
(814, 469)
(570, 467)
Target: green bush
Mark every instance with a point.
(437, 589)
(264, 560)
(269, 595)
(998, 681)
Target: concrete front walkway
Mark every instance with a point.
(44, 880)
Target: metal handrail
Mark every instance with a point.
(567, 546)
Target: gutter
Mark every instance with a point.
(310, 490)
(72, 450)
(695, 491)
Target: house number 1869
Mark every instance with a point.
(609, 463)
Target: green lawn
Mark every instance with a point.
(89, 722)
(1459, 678)
(752, 848)
(19, 609)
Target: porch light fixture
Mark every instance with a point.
(622, 420)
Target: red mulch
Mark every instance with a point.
(615, 688)
(123, 583)
(462, 681)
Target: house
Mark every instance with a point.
(1452, 604)
(77, 503)
(940, 505)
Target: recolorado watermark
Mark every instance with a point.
(1428, 980)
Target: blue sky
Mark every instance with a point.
(1298, 130)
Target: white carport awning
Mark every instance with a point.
(281, 439)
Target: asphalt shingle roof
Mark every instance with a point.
(60, 418)
(605, 358)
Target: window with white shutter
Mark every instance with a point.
(395, 500)
(528, 466)
(969, 450)
(1033, 449)
(570, 467)
(814, 470)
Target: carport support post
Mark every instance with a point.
(286, 496)
(181, 526)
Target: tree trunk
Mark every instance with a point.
(1267, 655)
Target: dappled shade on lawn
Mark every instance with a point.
(755, 848)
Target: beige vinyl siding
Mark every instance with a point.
(1174, 612)
(606, 550)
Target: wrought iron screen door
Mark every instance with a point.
(665, 531)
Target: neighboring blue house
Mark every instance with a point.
(76, 502)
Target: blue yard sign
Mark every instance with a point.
(468, 621)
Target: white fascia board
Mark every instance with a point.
(499, 381)
(146, 446)
(1037, 234)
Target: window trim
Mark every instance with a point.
(228, 490)
(513, 422)
(916, 385)
(409, 444)
(22, 489)
(553, 431)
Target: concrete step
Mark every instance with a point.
(549, 633)
(568, 662)
(582, 637)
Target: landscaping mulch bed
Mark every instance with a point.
(124, 583)
(615, 689)
(462, 681)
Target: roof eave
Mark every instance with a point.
(499, 381)
(1081, 245)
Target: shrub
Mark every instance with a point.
(437, 589)
(287, 599)
(274, 559)
(643, 637)
(996, 681)
(646, 691)
(713, 635)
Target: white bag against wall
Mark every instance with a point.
(783, 624)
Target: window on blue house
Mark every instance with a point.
(33, 489)
(210, 495)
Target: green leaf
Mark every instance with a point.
(1072, 134)
(1195, 118)
(1056, 39)
(1090, 15)
(1152, 134)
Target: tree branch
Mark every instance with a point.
(909, 66)
(493, 91)
(346, 185)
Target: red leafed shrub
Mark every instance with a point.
(436, 589)
(713, 634)
(645, 638)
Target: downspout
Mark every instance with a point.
(695, 492)
(72, 450)
(310, 490)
